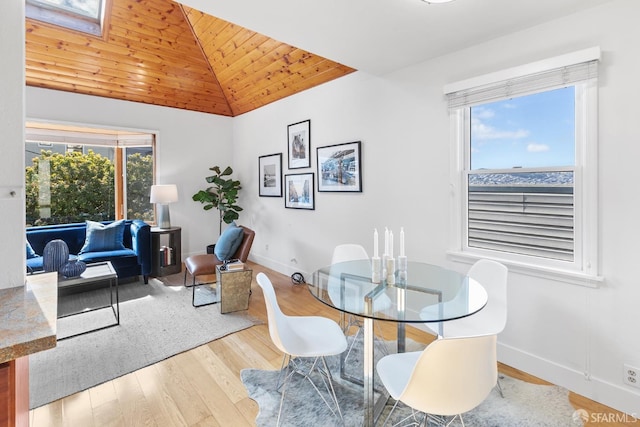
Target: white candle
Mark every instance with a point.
(401, 241)
(375, 242)
(386, 241)
(391, 244)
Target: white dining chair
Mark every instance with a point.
(449, 377)
(492, 319)
(299, 337)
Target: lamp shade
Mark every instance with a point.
(164, 194)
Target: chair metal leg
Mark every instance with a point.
(499, 388)
(293, 366)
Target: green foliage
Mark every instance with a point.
(139, 180)
(73, 187)
(77, 187)
(222, 195)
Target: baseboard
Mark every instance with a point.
(612, 395)
(277, 266)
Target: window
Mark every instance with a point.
(86, 16)
(525, 165)
(74, 174)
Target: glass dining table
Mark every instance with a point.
(422, 293)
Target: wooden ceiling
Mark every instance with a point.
(162, 53)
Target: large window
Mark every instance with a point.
(526, 166)
(73, 175)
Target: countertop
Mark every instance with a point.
(28, 317)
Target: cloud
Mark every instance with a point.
(483, 131)
(537, 148)
(481, 113)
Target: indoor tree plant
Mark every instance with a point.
(222, 195)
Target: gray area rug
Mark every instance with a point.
(524, 404)
(157, 321)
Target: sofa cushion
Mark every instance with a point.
(98, 256)
(30, 252)
(102, 237)
(229, 242)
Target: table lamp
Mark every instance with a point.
(162, 195)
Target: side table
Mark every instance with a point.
(232, 290)
(166, 249)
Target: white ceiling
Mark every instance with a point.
(379, 36)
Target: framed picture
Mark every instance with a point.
(299, 143)
(298, 189)
(339, 167)
(270, 175)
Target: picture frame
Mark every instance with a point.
(299, 188)
(340, 168)
(270, 175)
(299, 144)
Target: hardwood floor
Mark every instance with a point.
(202, 387)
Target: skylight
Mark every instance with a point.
(80, 15)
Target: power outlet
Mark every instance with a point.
(632, 376)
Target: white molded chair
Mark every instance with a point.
(448, 378)
(351, 252)
(492, 319)
(303, 337)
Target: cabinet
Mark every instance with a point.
(166, 249)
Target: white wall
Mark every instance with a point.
(571, 335)
(12, 249)
(188, 144)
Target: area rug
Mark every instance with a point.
(524, 404)
(157, 321)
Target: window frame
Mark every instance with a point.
(89, 135)
(584, 269)
(68, 18)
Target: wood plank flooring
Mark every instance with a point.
(202, 387)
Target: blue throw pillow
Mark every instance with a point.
(101, 238)
(229, 242)
(30, 252)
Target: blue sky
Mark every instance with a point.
(529, 131)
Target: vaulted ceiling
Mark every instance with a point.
(162, 53)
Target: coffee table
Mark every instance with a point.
(84, 297)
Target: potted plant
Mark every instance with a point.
(222, 195)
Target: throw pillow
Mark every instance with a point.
(229, 242)
(102, 237)
(30, 252)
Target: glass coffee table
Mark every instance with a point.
(85, 303)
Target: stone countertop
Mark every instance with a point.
(28, 317)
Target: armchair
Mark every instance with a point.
(201, 265)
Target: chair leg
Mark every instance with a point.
(295, 367)
(393, 408)
(499, 388)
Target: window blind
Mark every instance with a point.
(517, 85)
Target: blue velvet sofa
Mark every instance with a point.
(133, 260)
